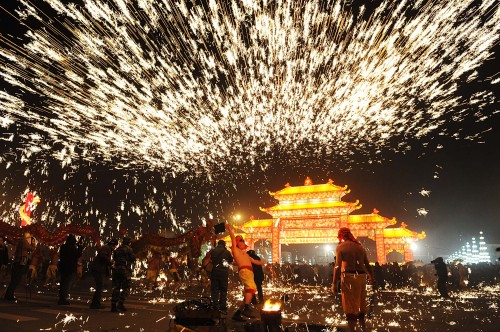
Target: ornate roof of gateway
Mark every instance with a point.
(314, 205)
(310, 190)
(370, 218)
(403, 232)
(320, 206)
(309, 199)
(258, 223)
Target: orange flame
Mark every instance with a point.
(269, 305)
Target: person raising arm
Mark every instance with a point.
(245, 272)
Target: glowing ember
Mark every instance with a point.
(67, 319)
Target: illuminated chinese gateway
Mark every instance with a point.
(314, 213)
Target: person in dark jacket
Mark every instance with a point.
(219, 277)
(122, 274)
(101, 267)
(442, 274)
(4, 258)
(68, 264)
(258, 277)
(24, 248)
(378, 275)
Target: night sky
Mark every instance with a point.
(457, 164)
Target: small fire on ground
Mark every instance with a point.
(271, 305)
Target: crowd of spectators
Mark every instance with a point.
(392, 275)
(173, 271)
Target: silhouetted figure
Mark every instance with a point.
(35, 265)
(378, 275)
(51, 274)
(153, 271)
(174, 277)
(25, 246)
(219, 277)
(442, 274)
(122, 274)
(396, 278)
(100, 268)
(4, 258)
(463, 275)
(68, 264)
(258, 277)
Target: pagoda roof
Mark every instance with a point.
(312, 188)
(258, 223)
(318, 205)
(370, 218)
(403, 232)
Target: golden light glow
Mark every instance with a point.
(402, 233)
(313, 188)
(305, 219)
(271, 305)
(308, 205)
(370, 218)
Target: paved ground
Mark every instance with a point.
(304, 309)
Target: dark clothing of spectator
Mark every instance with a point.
(378, 275)
(101, 267)
(442, 274)
(69, 253)
(219, 277)
(122, 274)
(258, 276)
(4, 254)
(4, 259)
(22, 255)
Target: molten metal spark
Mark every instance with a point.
(175, 85)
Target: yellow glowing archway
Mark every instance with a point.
(314, 213)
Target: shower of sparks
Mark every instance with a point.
(162, 84)
(216, 89)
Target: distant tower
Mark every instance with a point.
(484, 256)
(468, 253)
(475, 251)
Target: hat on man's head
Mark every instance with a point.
(113, 242)
(345, 234)
(239, 238)
(221, 243)
(343, 231)
(126, 240)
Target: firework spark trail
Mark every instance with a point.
(162, 84)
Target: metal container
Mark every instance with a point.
(271, 320)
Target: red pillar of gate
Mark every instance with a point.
(380, 244)
(276, 251)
